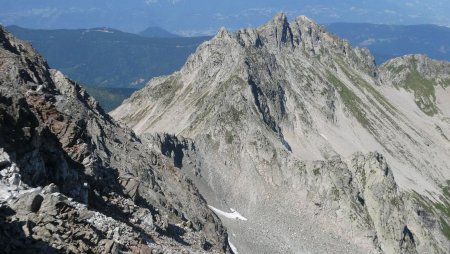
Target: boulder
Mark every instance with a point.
(28, 202)
(50, 202)
(144, 249)
(131, 186)
(49, 189)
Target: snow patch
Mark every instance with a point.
(233, 215)
(233, 248)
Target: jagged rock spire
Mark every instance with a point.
(277, 31)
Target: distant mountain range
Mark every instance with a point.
(105, 58)
(200, 17)
(389, 41)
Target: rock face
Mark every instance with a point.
(281, 123)
(72, 180)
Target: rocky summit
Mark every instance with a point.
(301, 143)
(73, 180)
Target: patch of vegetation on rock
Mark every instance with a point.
(351, 101)
(424, 92)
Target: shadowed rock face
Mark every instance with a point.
(281, 123)
(73, 180)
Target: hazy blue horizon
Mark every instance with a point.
(199, 17)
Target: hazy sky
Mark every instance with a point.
(206, 16)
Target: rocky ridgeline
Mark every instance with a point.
(74, 181)
(281, 123)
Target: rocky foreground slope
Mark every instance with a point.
(74, 181)
(281, 123)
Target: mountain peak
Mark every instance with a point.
(223, 32)
(277, 31)
(302, 35)
(305, 19)
(280, 18)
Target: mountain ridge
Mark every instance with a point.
(283, 111)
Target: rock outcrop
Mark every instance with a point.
(72, 180)
(427, 79)
(281, 123)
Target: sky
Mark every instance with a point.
(205, 17)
